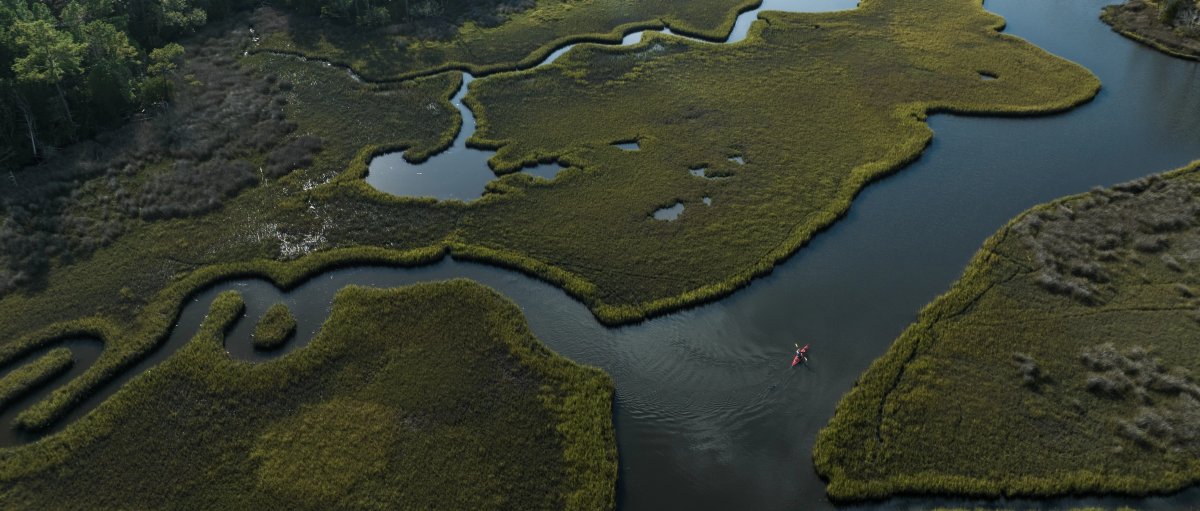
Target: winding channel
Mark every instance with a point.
(708, 415)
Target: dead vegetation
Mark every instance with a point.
(1168, 413)
(1080, 247)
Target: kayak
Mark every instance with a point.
(801, 355)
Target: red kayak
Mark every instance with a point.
(801, 355)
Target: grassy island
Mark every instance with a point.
(1171, 26)
(275, 328)
(1073, 332)
(26, 378)
(430, 396)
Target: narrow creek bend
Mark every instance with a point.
(461, 173)
(708, 414)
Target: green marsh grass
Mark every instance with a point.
(275, 328)
(28, 377)
(429, 396)
(1066, 287)
(818, 106)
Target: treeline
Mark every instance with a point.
(69, 68)
(383, 12)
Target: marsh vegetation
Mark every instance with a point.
(1090, 299)
(421, 397)
(795, 119)
(275, 328)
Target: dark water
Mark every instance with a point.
(462, 173)
(671, 213)
(708, 414)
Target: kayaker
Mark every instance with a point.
(802, 352)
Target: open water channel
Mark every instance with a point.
(708, 413)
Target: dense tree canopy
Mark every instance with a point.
(69, 69)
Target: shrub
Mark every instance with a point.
(295, 154)
(191, 188)
(1031, 373)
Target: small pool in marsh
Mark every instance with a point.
(670, 213)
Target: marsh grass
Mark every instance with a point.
(429, 396)
(28, 377)
(944, 412)
(275, 328)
